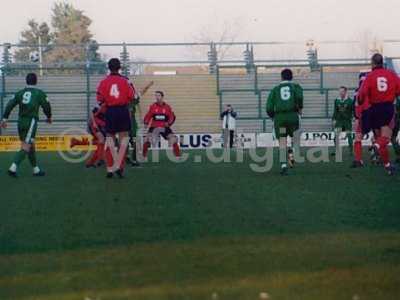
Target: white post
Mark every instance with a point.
(40, 56)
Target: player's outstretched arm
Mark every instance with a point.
(299, 98)
(46, 107)
(9, 108)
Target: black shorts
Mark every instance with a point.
(366, 121)
(164, 133)
(382, 114)
(118, 119)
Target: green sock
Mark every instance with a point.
(350, 140)
(32, 158)
(133, 155)
(19, 157)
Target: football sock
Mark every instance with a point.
(146, 147)
(337, 140)
(177, 151)
(110, 154)
(109, 160)
(358, 151)
(32, 157)
(97, 155)
(133, 154)
(382, 143)
(123, 149)
(350, 141)
(19, 157)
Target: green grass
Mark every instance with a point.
(199, 231)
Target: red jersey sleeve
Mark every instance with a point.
(363, 92)
(101, 93)
(171, 116)
(131, 90)
(398, 86)
(149, 116)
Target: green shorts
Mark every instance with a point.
(286, 124)
(344, 125)
(27, 130)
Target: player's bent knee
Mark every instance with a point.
(26, 147)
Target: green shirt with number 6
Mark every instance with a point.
(285, 97)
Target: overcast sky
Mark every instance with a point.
(251, 20)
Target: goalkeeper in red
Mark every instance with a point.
(284, 106)
(159, 120)
(381, 87)
(29, 100)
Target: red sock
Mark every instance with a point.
(177, 151)
(98, 155)
(100, 148)
(358, 151)
(94, 158)
(123, 161)
(146, 147)
(109, 158)
(383, 149)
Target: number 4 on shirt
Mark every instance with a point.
(114, 92)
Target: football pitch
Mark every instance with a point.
(199, 231)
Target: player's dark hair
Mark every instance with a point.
(344, 87)
(287, 74)
(161, 93)
(31, 79)
(114, 65)
(377, 60)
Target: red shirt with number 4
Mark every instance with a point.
(115, 90)
(380, 86)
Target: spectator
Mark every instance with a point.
(228, 118)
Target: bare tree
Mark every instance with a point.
(225, 31)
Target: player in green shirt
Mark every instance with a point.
(29, 101)
(284, 106)
(342, 118)
(134, 107)
(396, 129)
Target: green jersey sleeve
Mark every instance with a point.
(11, 105)
(335, 111)
(45, 104)
(299, 96)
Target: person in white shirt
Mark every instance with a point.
(228, 117)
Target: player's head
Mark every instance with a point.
(31, 79)
(343, 92)
(377, 60)
(114, 65)
(287, 75)
(159, 96)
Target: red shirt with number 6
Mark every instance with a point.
(115, 90)
(380, 86)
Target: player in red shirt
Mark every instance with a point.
(116, 92)
(361, 111)
(97, 124)
(381, 87)
(159, 120)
